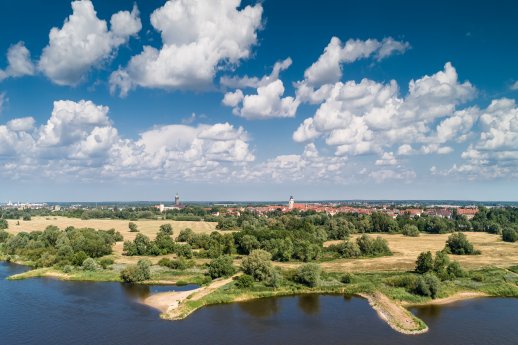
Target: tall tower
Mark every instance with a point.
(291, 203)
(177, 200)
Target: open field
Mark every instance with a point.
(495, 253)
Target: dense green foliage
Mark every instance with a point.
(410, 230)
(244, 281)
(136, 273)
(308, 274)
(364, 246)
(54, 246)
(132, 227)
(258, 265)
(221, 267)
(424, 262)
(458, 244)
(510, 235)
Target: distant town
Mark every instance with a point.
(393, 208)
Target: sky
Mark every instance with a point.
(258, 100)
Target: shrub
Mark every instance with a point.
(410, 230)
(509, 235)
(27, 217)
(136, 273)
(370, 247)
(455, 270)
(424, 262)
(346, 249)
(458, 244)
(166, 229)
(106, 262)
(3, 224)
(427, 285)
(258, 265)
(185, 235)
(308, 274)
(90, 265)
(68, 269)
(132, 227)
(4, 235)
(183, 250)
(79, 258)
(244, 281)
(164, 262)
(221, 267)
(347, 278)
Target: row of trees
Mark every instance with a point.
(56, 247)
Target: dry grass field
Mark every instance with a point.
(495, 252)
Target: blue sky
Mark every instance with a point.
(124, 100)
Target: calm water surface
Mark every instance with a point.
(47, 311)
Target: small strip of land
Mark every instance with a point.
(393, 313)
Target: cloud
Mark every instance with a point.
(514, 86)
(79, 139)
(84, 42)
(387, 159)
(327, 69)
(19, 62)
(199, 38)
(3, 100)
(268, 101)
(369, 117)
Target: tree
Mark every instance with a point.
(509, 235)
(410, 230)
(424, 262)
(258, 265)
(308, 274)
(458, 244)
(370, 247)
(221, 267)
(3, 224)
(427, 285)
(132, 227)
(455, 270)
(185, 235)
(166, 229)
(4, 235)
(440, 264)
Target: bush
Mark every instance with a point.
(509, 235)
(27, 217)
(424, 262)
(221, 267)
(308, 274)
(166, 229)
(244, 281)
(185, 235)
(68, 269)
(458, 244)
(370, 247)
(79, 258)
(410, 230)
(106, 262)
(183, 250)
(427, 285)
(258, 265)
(455, 270)
(4, 235)
(90, 265)
(346, 249)
(132, 227)
(347, 278)
(3, 224)
(136, 273)
(440, 264)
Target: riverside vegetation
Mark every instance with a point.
(281, 254)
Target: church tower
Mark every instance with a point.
(177, 200)
(291, 203)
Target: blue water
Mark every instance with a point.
(47, 311)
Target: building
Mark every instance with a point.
(291, 203)
(176, 206)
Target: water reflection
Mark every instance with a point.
(309, 304)
(428, 312)
(136, 291)
(263, 308)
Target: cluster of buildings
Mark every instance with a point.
(176, 206)
(332, 209)
(24, 206)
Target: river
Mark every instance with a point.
(49, 311)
